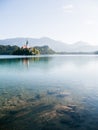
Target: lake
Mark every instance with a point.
(51, 92)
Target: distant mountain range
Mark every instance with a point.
(53, 44)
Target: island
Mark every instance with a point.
(25, 50)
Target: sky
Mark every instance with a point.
(64, 20)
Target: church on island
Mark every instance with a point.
(26, 50)
(32, 50)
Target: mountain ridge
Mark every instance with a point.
(58, 46)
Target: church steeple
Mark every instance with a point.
(26, 43)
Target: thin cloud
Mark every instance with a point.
(90, 22)
(68, 8)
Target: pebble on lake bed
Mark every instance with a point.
(61, 109)
(58, 93)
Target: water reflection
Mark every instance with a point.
(25, 62)
(77, 60)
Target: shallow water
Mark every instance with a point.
(49, 92)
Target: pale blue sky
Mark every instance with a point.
(64, 20)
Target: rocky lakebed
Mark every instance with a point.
(48, 110)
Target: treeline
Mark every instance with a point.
(7, 50)
(45, 50)
(15, 50)
(21, 51)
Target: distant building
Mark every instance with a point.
(31, 50)
(25, 46)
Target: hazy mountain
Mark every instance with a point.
(53, 44)
(81, 46)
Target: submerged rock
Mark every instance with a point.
(58, 93)
(62, 109)
(52, 92)
(62, 94)
(72, 106)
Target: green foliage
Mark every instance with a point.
(45, 50)
(35, 51)
(15, 50)
(7, 50)
(21, 51)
